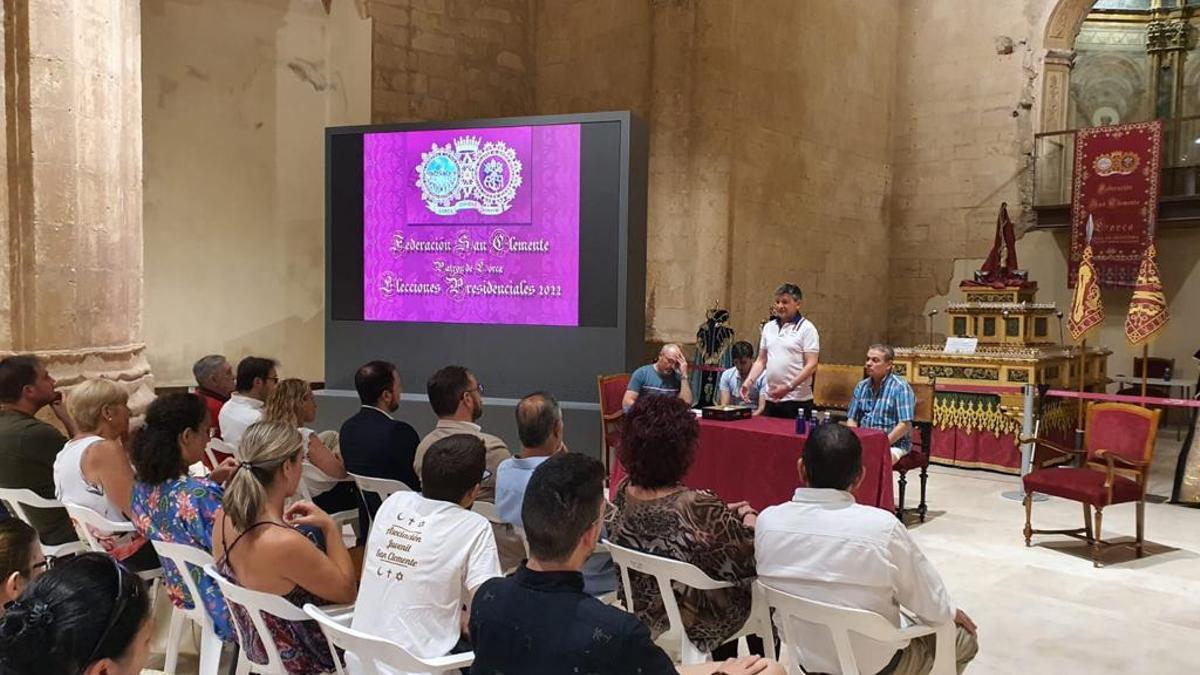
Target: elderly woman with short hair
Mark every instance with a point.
(93, 470)
(657, 514)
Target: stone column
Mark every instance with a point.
(71, 226)
(1054, 157)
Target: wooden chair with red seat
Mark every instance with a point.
(1118, 448)
(918, 457)
(612, 391)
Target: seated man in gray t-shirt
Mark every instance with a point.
(667, 376)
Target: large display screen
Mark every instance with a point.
(475, 225)
(513, 246)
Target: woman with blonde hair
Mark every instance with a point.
(292, 551)
(93, 470)
(323, 479)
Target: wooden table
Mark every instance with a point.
(754, 460)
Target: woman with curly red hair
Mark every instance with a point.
(657, 514)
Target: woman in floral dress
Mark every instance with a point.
(172, 506)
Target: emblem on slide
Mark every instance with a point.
(468, 175)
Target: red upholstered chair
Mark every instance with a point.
(612, 391)
(1118, 448)
(917, 457)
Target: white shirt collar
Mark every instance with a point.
(380, 410)
(248, 401)
(459, 424)
(823, 496)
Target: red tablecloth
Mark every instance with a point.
(755, 460)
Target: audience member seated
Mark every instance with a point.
(457, 400)
(21, 559)
(28, 445)
(657, 514)
(428, 553)
(884, 401)
(170, 505)
(292, 403)
(87, 616)
(824, 547)
(256, 379)
(214, 384)
(730, 386)
(540, 621)
(667, 376)
(93, 468)
(374, 444)
(540, 426)
(291, 551)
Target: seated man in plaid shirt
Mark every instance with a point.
(884, 401)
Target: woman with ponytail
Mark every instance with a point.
(170, 505)
(293, 551)
(88, 615)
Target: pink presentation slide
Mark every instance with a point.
(472, 226)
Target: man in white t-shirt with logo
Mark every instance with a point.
(426, 555)
(788, 355)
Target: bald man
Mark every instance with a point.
(667, 376)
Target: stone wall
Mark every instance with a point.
(237, 96)
(960, 142)
(450, 59)
(769, 149)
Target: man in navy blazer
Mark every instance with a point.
(372, 442)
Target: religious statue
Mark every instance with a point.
(993, 273)
(713, 341)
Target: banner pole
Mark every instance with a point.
(1145, 351)
(1079, 418)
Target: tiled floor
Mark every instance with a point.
(1045, 609)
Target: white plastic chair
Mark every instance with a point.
(841, 621)
(665, 571)
(342, 518)
(185, 557)
(218, 445)
(381, 487)
(373, 652)
(88, 522)
(488, 510)
(18, 499)
(255, 603)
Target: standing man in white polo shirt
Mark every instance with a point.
(788, 355)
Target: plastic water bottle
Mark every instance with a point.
(801, 423)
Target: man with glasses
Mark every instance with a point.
(457, 400)
(256, 380)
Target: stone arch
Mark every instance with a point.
(1058, 41)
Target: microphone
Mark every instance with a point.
(1059, 314)
(931, 313)
(929, 321)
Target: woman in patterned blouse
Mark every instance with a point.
(171, 506)
(655, 513)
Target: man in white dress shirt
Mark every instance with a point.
(256, 380)
(824, 547)
(787, 354)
